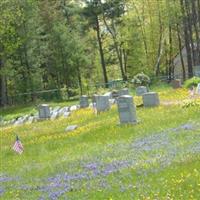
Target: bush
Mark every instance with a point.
(141, 79)
(192, 82)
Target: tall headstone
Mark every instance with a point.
(84, 101)
(141, 90)
(151, 99)
(44, 111)
(176, 83)
(126, 109)
(102, 103)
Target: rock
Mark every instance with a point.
(71, 128)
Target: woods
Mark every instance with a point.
(72, 44)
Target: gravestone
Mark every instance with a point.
(151, 99)
(126, 109)
(84, 101)
(141, 90)
(102, 103)
(198, 89)
(124, 91)
(71, 128)
(44, 111)
(176, 83)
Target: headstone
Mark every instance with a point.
(102, 103)
(73, 108)
(198, 89)
(126, 109)
(108, 94)
(66, 114)
(141, 90)
(71, 128)
(54, 115)
(44, 111)
(176, 83)
(84, 101)
(124, 91)
(151, 99)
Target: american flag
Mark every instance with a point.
(18, 147)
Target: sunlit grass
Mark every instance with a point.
(50, 151)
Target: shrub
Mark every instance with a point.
(192, 82)
(141, 79)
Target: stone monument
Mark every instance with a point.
(44, 111)
(151, 99)
(102, 103)
(141, 90)
(84, 101)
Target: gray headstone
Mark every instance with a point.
(102, 103)
(176, 83)
(84, 101)
(126, 109)
(141, 90)
(150, 99)
(44, 111)
(71, 128)
(124, 91)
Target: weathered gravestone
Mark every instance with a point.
(126, 109)
(176, 83)
(44, 111)
(124, 91)
(102, 103)
(198, 89)
(141, 90)
(84, 101)
(151, 99)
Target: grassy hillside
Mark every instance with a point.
(156, 159)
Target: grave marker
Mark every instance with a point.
(126, 110)
(151, 99)
(44, 111)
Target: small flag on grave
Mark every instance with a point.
(18, 147)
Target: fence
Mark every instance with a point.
(72, 94)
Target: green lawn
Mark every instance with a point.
(156, 159)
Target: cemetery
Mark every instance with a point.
(73, 152)
(100, 100)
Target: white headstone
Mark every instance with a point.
(151, 99)
(71, 128)
(44, 111)
(102, 103)
(141, 90)
(126, 109)
(198, 89)
(84, 101)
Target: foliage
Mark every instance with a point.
(192, 82)
(141, 79)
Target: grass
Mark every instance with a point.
(156, 159)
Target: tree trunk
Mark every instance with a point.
(187, 41)
(101, 52)
(180, 51)
(3, 88)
